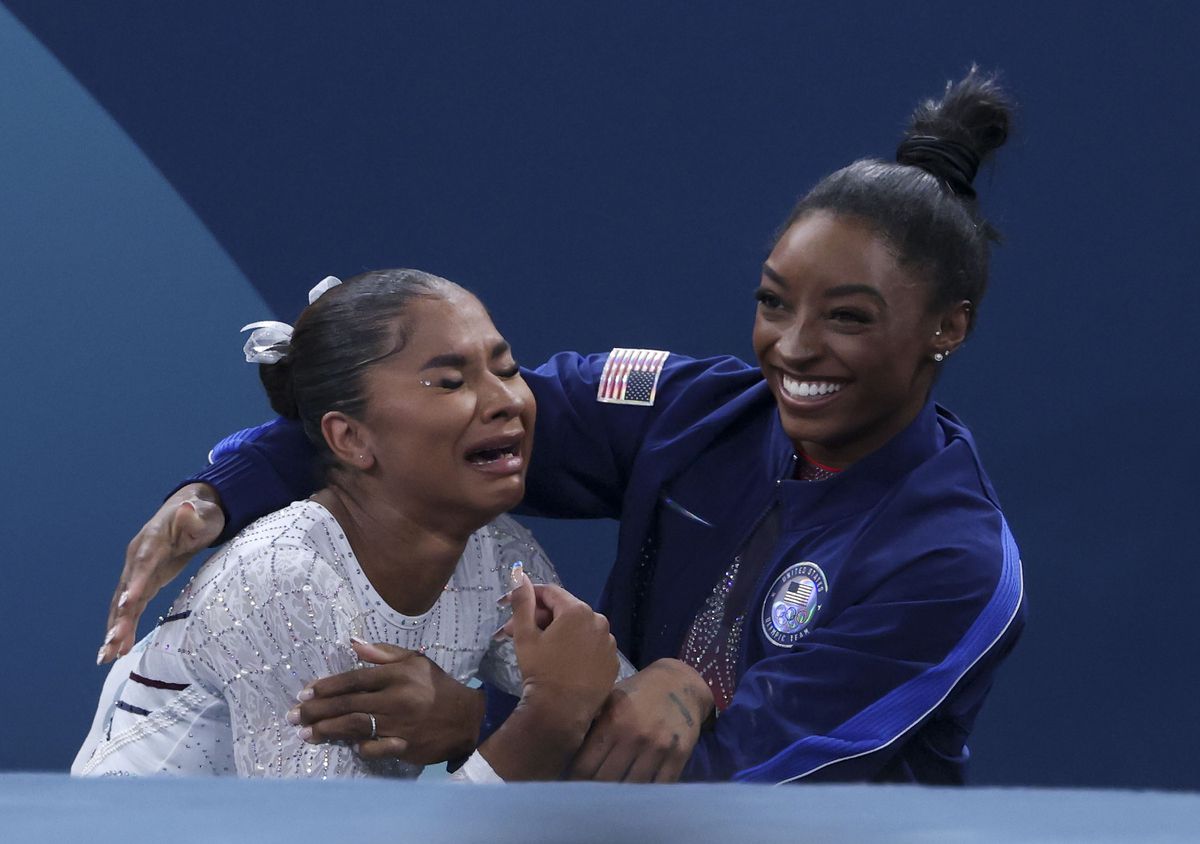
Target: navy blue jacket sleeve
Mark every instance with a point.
(259, 470)
(842, 704)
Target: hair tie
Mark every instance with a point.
(954, 163)
(271, 340)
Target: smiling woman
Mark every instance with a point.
(411, 396)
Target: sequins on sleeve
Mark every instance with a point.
(273, 625)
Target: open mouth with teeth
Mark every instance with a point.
(814, 389)
(491, 455)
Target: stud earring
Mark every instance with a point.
(939, 356)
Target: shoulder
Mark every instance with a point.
(284, 564)
(924, 509)
(640, 376)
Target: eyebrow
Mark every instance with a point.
(833, 292)
(456, 361)
(853, 289)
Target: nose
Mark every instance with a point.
(505, 399)
(798, 344)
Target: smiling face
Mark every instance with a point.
(845, 338)
(448, 418)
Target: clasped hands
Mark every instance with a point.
(645, 730)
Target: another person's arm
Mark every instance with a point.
(840, 705)
(584, 454)
(251, 473)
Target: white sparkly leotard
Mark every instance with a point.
(208, 691)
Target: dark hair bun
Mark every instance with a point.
(951, 137)
(277, 379)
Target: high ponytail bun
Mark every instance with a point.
(949, 138)
(924, 204)
(277, 380)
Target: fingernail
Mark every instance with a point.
(100, 654)
(358, 641)
(504, 599)
(306, 735)
(500, 635)
(123, 600)
(306, 694)
(515, 572)
(112, 634)
(293, 716)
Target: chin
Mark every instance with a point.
(503, 499)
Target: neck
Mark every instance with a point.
(408, 560)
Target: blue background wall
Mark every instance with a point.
(602, 175)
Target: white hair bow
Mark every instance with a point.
(271, 340)
(268, 343)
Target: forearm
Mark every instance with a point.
(538, 739)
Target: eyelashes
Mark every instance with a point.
(766, 299)
(455, 383)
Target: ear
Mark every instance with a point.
(348, 440)
(952, 328)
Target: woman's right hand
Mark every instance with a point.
(568, 665)
(568, 668)
(187, 522)
(567, 654)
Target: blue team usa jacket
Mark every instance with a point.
(872, 633)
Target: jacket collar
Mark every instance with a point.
(858, 487)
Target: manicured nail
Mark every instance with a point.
(123, 600)
(293, 716)
(306, 735)
(357, 641)
(306, 694)
(504, 600)
(100, 654)
(500, 635)
(112, 634)
(514, 573)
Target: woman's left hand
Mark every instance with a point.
(422, 715)
(648, 726)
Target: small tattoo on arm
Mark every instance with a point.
(687, 716)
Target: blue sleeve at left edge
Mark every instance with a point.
(259, 470)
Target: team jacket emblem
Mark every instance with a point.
(792, 603)
(630, 376)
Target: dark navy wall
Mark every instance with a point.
(607, 174)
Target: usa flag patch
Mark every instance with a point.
(630, 376)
